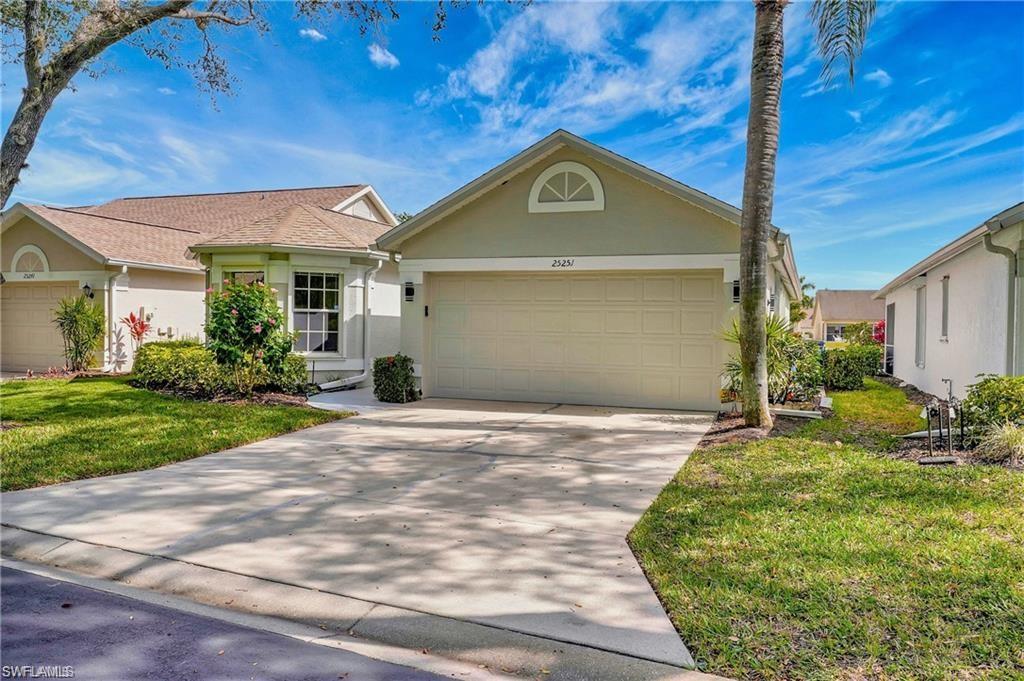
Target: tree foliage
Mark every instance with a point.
(55, 40)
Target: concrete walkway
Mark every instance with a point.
(507, 518)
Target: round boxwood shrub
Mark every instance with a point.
(393, 379)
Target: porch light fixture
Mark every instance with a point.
(87, 291)
(410, 292)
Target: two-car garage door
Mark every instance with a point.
(647, 339)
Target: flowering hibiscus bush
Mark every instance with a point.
(878, 332)
(246, 332)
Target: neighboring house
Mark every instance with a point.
(834, 310)
(960, 312)
(571, 274)
(155, 256)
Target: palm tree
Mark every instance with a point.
(840, 31)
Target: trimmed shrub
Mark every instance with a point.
(869, 356)
(845, 368)
(185, 367)
(995, 400)
(393, 379)
(293, 377)
(81, 325)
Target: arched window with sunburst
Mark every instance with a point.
(29, 258)
(566, 187)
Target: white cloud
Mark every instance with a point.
(879, 76)
(312, 34)
(922, 81)
(382, 58)
(855, 115)
(66, 173)
(166, 91)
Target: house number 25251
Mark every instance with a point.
(563, 262)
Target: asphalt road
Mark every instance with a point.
(106, 637)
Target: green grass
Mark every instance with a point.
(795, 558)
(100, 426)
(872, 417)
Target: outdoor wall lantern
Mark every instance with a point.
(87, 291)
(410, 292)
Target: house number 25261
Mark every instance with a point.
(563, 262)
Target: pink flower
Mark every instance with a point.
(273, 290)
(272, 322)
(234, 312)
(209, 290)
(227, 281)
(259, 354)
(258, 328)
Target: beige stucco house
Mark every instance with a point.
(959, 312)
(836, 309)
(572, 274)
(155, 256)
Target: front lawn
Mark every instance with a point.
(796, 558)
(58, 430)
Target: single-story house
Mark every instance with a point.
(960, 312)
(835, 309)
(155, 256)
(572, 274)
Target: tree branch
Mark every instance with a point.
(202, 17)
(34, 44)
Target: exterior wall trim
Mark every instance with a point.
(728, 262)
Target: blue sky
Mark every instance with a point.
(927, 143)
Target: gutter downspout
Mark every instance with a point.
(1011, 302)
(111, 363)
(353, 381)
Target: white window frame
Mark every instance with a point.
(842, 331)
(567, 206)
(294, 309)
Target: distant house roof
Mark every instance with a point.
(157, 231)
(303, 225)
(849, 305)
(1005, 218)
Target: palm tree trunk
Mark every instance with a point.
(758, 193)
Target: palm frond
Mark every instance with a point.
(841, 29)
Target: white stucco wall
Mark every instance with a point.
(977, 323)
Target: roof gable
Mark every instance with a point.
(533, 155)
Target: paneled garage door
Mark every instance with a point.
(648, 339)
(29, 339)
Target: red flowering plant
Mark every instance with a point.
(878, 332)
(246, 332)
(137, 327)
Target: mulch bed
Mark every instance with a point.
(729, 428)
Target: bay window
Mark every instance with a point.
(316, 298)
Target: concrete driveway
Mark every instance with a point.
(508, 517)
